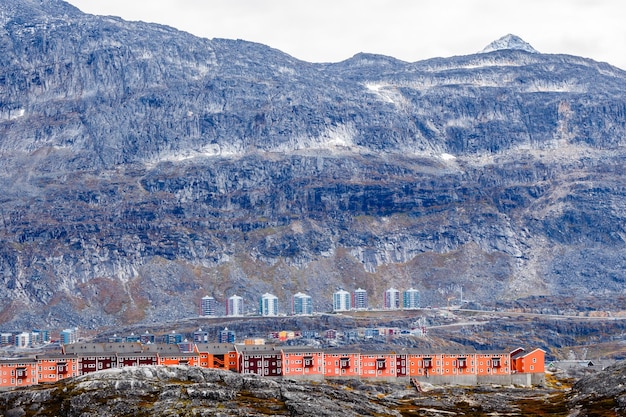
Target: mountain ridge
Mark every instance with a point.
(144, 168)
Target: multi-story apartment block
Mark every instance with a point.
(234, 306)
(69, 336)
(201, 336)
(147, 337)
(341, 301)
(359, 299)
(218, 356)
(19, 372)
(465, 367)
(392, 299)
(94, 357)
(207, 306)
(411, 299)
(7, 338)
(343, 363)
(378, 364)
(301, 362)
(302, 304)
(54, 367)
(268, 305)
(173, 338)
(22, 340)
(260, 360)
(226, 336)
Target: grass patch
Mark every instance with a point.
(553, 406)
(265, 406)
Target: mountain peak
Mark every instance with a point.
(509, 42)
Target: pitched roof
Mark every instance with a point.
(215, 348)
(112, 348)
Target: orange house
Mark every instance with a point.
(187, 359)
(53, 368)
(421, 363)
(217, 356)
(303, 362)
(459, 364)
(20, 372)
(528, 363)
(233, 361)
(342, 363)
(378, 365)
(170, 354)
(456, 363)
(492, 363)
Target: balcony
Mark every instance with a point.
(62, 368)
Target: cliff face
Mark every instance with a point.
(143, 168)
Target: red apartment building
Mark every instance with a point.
(20, 372)
(378, 365)
(302, 362)
(343, 363)
(467, 367)
(260, 360)
(53, 368)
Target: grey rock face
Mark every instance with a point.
(601, 392)
(162, 391)
(143, 168)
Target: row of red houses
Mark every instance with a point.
(467, 367)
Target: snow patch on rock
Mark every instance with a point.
(509, 42)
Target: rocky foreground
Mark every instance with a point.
(167, 391)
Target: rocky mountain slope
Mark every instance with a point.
(143, 168)
(164, 391)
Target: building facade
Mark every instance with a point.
(69, 336)
(411, 299)
(302, 304)
(207, 306)
(342, 301)
(226, 336)
(268, 305)
(342, 363)
(303, 363)
(260, 360)
(234, 306)
(359, 299)
(201, 336)
(460, 367)
(55, 367)
(391, 300)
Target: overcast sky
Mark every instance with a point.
(411, 30)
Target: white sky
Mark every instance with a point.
(411, 30)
